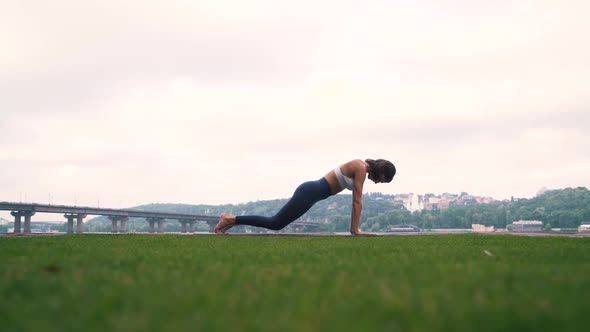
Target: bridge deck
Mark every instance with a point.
(7, 206)
(116, 215)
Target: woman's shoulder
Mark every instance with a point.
(356, 165)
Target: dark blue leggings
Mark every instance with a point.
(305, 196)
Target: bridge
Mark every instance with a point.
(116, 216)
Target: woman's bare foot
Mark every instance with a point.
(223, 230)
(226, 221)
(230, 224)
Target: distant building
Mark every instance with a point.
(403, 228)
(430, 202)
(397, 204)
(443, 204)
(433, 200)
(584, 227)
(527, 226)
(333, 206)
(413, 203)
(478, 228)
(400, 197)
(430, 206)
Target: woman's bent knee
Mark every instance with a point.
(278, 225)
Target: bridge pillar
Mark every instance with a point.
(70, 226)
(113, 225)
(160, 222)
(80, 223)
(185, 222)
(123, 224)
(17, 215)
(28, 215)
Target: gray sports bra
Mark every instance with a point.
(345, 181)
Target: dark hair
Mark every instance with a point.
(382, 168)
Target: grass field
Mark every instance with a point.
(277, 283)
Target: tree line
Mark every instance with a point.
(561, 208)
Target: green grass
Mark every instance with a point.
(276, 283)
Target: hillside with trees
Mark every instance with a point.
(563, 208)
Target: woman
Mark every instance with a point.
(349, 176)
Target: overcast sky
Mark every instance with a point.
(121, 103)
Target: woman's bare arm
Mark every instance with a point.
(360, 173)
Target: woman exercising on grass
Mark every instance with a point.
(349, 176)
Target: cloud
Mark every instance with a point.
(224, 101)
